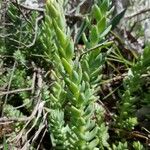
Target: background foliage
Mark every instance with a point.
(73, 75)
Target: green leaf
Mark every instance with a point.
(79, 72)
(104, 6)
(51, 9)
(75, 77)
(95, 73)
(138, 146)
(86, 76)
(61, 52)
(88, 136)
(81, 30)
(5, 144)
(67, 66)
(85, 40)
(93, 143)
(73, 87)
(115, 21)
(96, 13)
(101, 25)
(81, 99)
(75, 112)
(94, 35)
(54, 99)
(61, 36)
(105, 32)
(69, 49)
(90, 124)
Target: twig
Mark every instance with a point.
(138, 13)
(9, 84)
(35, 31)
(117, 37)
(96, 47)
(18, 6)
(28, 119)
(36, 23)
(114, 79)
(15, 91)
(74, 17)
(41, 139)
(6, 24)
(37, 112)
(21, 106)
(5, 120)
(69, 16)
(21, 90)
(46, 125)
(31, 8)
(6, 56)
(4, 36)
(135, 23)
(106, 109)
(41, 127)
(11, 39)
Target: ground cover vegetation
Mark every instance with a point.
(69, 81)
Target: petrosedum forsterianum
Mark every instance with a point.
(75, 120)
(134, 92)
